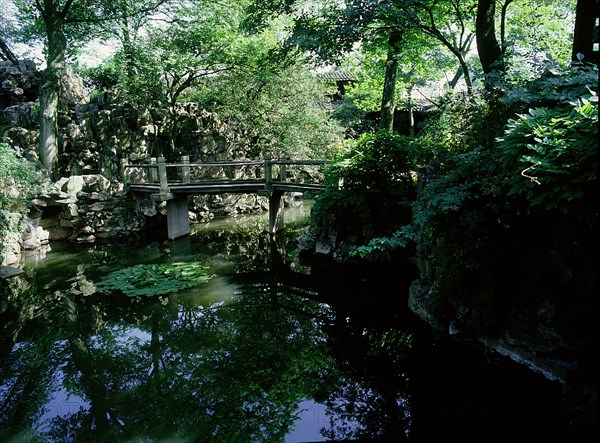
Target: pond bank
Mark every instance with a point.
(245, 353)
(368, 297)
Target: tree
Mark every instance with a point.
(127, 21)
(586, 31)
(388, 105)
(336, 28)
(62, 25)
(191, 44)
(333, 29)
(488, 48)
(54, 18)
(450, 23)
(276, 101)
(278, 106)
(420, 61)
(201, 42)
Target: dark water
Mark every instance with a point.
(266, 351)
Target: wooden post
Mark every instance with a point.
(268, 171)
(153, 171)
(162, 175)
(124, 173)
(185, 169)
(282, 172)
(275, 197)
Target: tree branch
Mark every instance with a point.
(6, 53)
(65, 10)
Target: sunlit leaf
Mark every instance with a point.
(155, 279)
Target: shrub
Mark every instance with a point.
(20, 181)
(369, 185)
(552, 154)
(487, 207)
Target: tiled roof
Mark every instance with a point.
(337, 75)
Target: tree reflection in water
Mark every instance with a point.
(192, 366)
(232, 360)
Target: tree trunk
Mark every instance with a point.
(126, 40)
(465, 70)
(488, 48)
(411, 115)
(388, 105)
(50, 89)
(503, 23)
(583, 38)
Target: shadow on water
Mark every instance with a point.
(266, 351)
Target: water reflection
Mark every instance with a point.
(235, 360)
(260, 353)
(183, 367)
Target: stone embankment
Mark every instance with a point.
(95, 135)
(83, 209)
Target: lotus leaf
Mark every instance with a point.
(155, 279)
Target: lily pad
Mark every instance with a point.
(155, 279)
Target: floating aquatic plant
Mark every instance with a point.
(155, 279)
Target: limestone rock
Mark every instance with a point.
(34, 237)
(7, 272)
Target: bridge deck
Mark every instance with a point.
(225, 186)
(175, 193)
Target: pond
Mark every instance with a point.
(266, 350)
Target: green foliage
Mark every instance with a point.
(112, 76)
(168, 59)
(276, 104)
(369, 181)
(553, 87)
(538, 32)
(375, 161)
(453, 197)
(204, 58)
(383, 245)
(555, 152)
(478, 181)
(20, 181)
(477, 199)
(461, 123)
(155, 279)
(7, 23)
(353, 119)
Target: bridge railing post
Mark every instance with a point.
(153, 171)
(268, 170)
(124, 173)
(283, 170)
(162, 174)
(185, 169)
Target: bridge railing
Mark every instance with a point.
(156, 170)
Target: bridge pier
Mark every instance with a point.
(178, 221)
